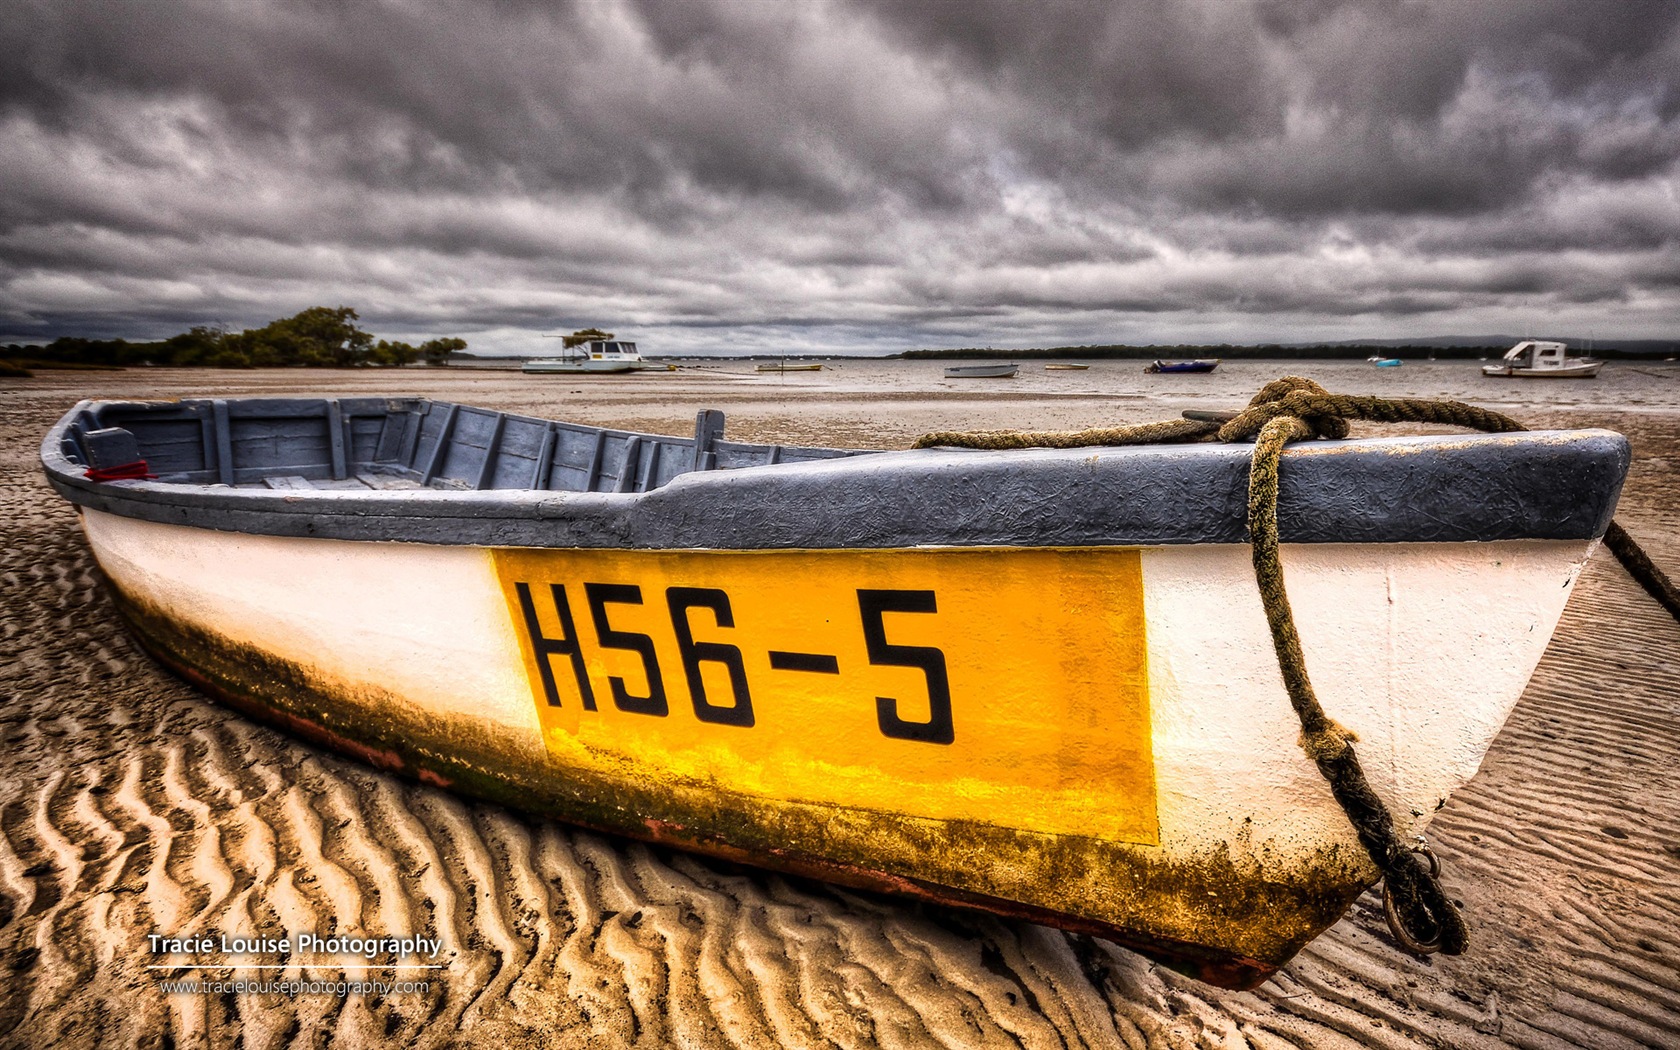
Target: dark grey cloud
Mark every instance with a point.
(842, 174)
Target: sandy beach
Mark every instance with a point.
(131, 805)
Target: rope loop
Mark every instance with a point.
(1420, 915)
(1422, 922)
(1290, 396)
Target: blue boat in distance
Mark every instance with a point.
(1200, 364)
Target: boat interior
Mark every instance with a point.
(392, 443)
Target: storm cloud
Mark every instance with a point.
(843, 176)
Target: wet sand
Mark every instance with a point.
(130, 805)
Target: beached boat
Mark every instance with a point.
(981, 371)
(591, 357)
(1038, 682)
(1201, 364)
(1543, 359)
(784, 367)
(1065, 366)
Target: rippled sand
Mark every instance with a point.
(129, 805)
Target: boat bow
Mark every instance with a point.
(1038, 681)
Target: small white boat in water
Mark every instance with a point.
(1039, 682)
(981, 371)
(594, 356)
(1543, 359)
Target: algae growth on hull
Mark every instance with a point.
(1219, 919)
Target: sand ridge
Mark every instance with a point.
(131, 805)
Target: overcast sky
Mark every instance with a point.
(810, 175)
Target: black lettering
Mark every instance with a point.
(682, 599)
(938, 729)
(815, 663)
(545, 647)
(601, 595)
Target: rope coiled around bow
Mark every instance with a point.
(1428, 919)
(1419, 912)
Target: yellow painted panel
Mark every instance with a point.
(1003, 686)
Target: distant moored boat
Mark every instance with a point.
(981, 371)
(592, 357)
(1200, 364)
(1543, 359)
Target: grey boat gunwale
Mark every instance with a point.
(720, 495)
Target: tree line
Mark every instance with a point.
(319, 337)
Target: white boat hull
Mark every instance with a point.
(1036, 682)
(578, 367)
(1421, 648)
(1584, 370)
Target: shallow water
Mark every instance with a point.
(1655, 385)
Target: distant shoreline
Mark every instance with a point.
(1648, 351)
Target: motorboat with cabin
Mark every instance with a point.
(589, 357)
(1542, 359)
